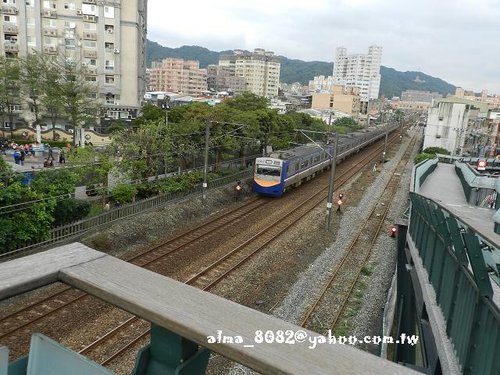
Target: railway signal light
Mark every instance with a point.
(393, 231)
(481, 165)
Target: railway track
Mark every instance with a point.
(231, 261)
(205, 279)
(330, 305)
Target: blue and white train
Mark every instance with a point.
(274, 174)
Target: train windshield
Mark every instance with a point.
(268, 170)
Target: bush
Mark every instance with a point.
(70, 210)
(123, 193)
(436, 150)
(146, 190)
(421, 157)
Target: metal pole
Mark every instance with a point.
(385, 146)
(329, 201)
(205, 167)
(166, 129)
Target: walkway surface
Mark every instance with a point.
(444, 187)
(30, 162)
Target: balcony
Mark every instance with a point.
(49, 32)
(90, 18)
(47, 13)
(51, 50)
(11, 46)
(90, 36)
(10, 29)
(91, 71)
(90, 54)
(8, 10)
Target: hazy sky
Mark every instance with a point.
(455, 40)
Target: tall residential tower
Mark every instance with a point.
(359, 70)
(108, 37)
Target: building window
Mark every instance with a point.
(90, 62)
(109, 12)
(90, 43)
(91, 78)
(69, 43)
(109, 65)
(110, 29)
(110, 79)
(69, 6)
(31, 41)
(90, 26)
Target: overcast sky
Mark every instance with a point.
(455, 40)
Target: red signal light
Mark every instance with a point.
(393, 231)
(481, 165)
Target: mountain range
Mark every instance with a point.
(392, 83)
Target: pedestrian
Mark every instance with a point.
(51, 155)
(16, 155)
(62, 157)
(375, 167)
(106, 206)
(22, 156)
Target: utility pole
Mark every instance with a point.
(385, 145)
(329, 201)
(205, 167)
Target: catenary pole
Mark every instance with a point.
(329, 203)
(205, 166)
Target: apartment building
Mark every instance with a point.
(493, 101)
(179, 76)
(221, 78)
(419, 96)
(106, 37)
(458, 125)
(261, 70)
(359, 70)
(321, 84)
(341, 98)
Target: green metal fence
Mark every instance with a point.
(452, 256)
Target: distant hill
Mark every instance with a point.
(393, 82)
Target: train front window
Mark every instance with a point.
(268, 170)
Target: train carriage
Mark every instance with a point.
(274, 174)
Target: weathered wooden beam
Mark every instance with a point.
(24, 274)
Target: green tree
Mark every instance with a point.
(124, 193)
(247, 102)
(141, 152)
(32, 83)
(52, 100)
(10, 71)
(347, 122)
(78, 95)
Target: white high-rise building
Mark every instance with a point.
(359, 70)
